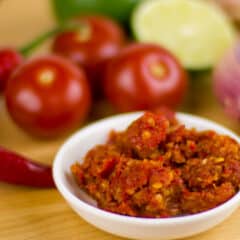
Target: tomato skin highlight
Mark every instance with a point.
(144, 76)
(97, 40)
(48, 96)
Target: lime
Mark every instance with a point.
(120, 10)
(197, 32)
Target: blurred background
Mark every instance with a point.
(22, 21)
(202, 40)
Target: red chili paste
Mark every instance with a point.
(158, 168)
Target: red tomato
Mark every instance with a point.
(48, 96)
(9, 60)
(97, 40)
(144, 76)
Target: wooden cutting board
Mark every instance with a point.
(27, 213)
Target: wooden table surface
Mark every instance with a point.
(27, 213)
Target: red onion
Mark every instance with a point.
(227, 82)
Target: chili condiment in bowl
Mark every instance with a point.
(150, 176)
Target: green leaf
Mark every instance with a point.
(119, 10)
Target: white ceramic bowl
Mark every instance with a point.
(131, 227)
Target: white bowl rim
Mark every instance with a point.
(129, 219)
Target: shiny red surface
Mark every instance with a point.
(97, 40)
(48, 96)
(131, 83)
(16, 169)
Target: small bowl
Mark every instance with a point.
(75, 149)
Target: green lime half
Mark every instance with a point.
(197, 32)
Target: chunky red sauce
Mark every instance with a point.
(158, 168)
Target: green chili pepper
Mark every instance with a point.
(119, 10)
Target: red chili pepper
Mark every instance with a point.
(16, 169)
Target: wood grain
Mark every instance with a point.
(27, 213)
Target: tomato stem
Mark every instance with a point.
(28, 48)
